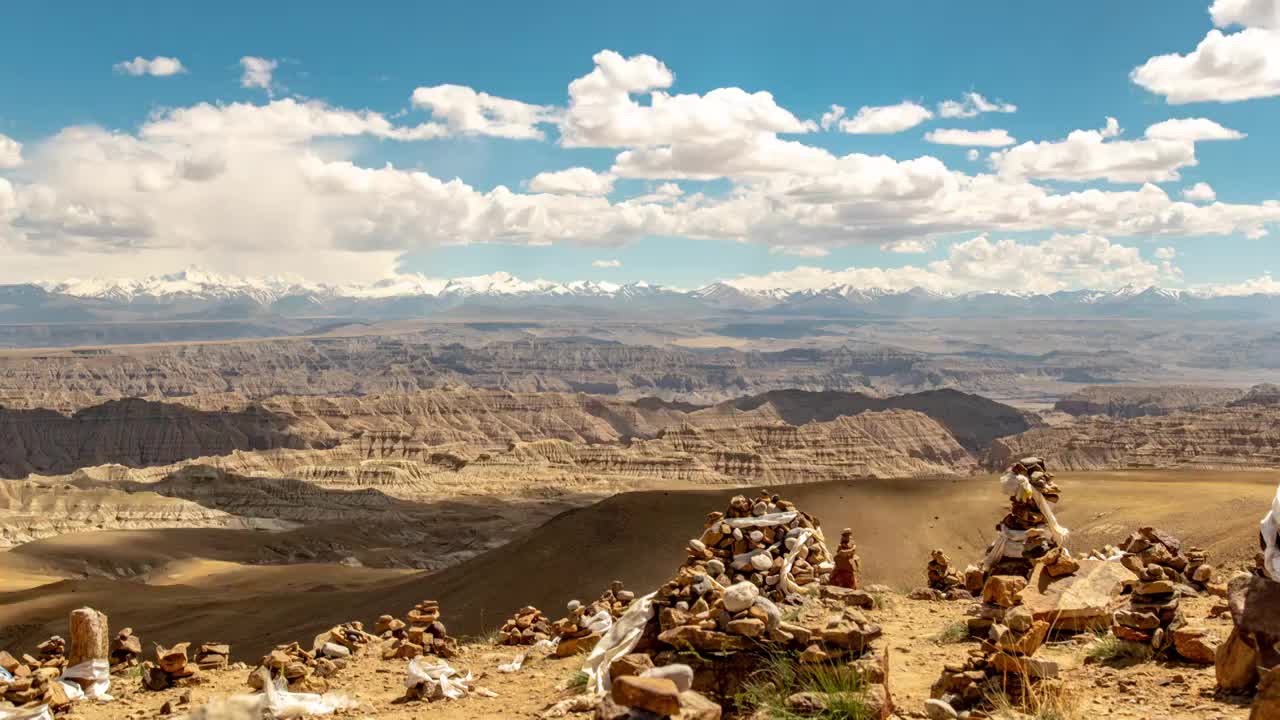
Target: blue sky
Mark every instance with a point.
(1066, 66)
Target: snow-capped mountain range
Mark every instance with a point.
(198, 293)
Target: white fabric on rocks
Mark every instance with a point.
(1271, 552)
(621, 639)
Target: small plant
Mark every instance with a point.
(781, 676)
(577, 683)
(881, 600)
(1109, 649)
(1041, 700)
(956, 632)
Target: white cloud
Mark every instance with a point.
(258, 72)
(1166, 253)
(159, 66)
(10, 152)
(1062, 262)
(605, 264)
(980, 138)
(664, 193)
(1223, 67)
(1200, 192)
(911, 246)
(799, 251)
(972, 155)
(1261, 285)
(885, 119)
(831, 117)
(1192, 130)
(1247, 13)
(468, 112)
(603, 113)
(279, 121)
(973, 104)
(574, 181)
(1087, 155)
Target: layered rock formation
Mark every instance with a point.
(1218, 438)
(1130, 401)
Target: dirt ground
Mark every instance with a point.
(1157, 690)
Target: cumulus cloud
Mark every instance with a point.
(10, 152)
(972, 155)
(468, 112)
(1261, 285)
(881, 120)
(1166, 253)
(973, 104)
(1223, 67)
(606, 264)
(574, 181)
(1062, 262)
(1192, 130)
(1200, 192)
(980, 138)
(159, 66)
(279, 121)
(602, 111)
(258, 72)
(1095, 155)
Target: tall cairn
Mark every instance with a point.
(1030, 531)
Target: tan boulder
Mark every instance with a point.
(1236, 663)
(1003, 590)
(1082, 601)
(657, 695)
(1195, 644)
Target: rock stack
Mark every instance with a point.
(1153, 613)
(342, 641)
(1199, 573)
(212, 656)
(421, 633)
(300, 670)
(52, 653)
(1030, 530)
(940, 574)
(28, 683)
(616, 599)
(657, 692)
(1004, 662)
(721, 612)
(1253, 599)
(848, 568)
(579, 631)
(527, 627)
(172, 667)
(126, 649)
(1149, 546)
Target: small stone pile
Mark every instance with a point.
(1026, 532)
(212, 656)
(126, 649)
(342, 641)
(1004, 662)
(33, 684)
(1150, 546)
(301, 670)
(645, 692)
(944, 582)
(1153, 612)
(527, 627)
(420, 633)
(848, 568)
(172, 667)
(616, 599)
(53, 653)
(723, 603)
(579, 631)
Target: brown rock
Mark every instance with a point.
(695, 706)
(575, 646)
(1266, 704)
(1195, 644)
(1236, 663)
(747, 627)
(657, 695)
(1003, 590)
(1078, 602)
(633, 664)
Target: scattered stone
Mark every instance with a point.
(657, 695)
(1195, 644)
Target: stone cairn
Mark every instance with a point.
(848, 567)
(171, 667)
(33, 683)
(300, 670)
(721, 610)
(1153, 613)
(527, 627)
(1004, 662)
(1028, 532)
(212, 656)
(944, 582)
(126, 649)
(420, 633)
(1249, 659)
(579, 630)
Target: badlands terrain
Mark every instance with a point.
(259, 491)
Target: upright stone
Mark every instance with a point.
(90, 638)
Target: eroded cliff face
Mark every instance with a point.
(1240, 437)
(1139, 401)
